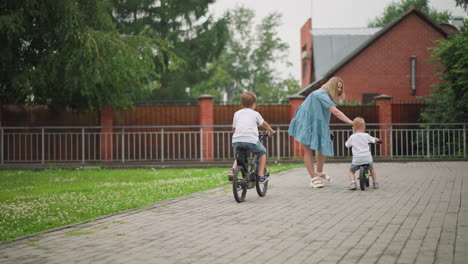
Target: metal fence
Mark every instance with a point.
(178, 143)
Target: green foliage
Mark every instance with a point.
(249, 60)
(396, 9)
(448, 101)
(68, 53)
(195, 39)
(462, 3)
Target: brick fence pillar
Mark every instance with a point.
(384, 106)
(294, 102)
(206, 111)
(107, 122)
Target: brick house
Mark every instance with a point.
(393, 60)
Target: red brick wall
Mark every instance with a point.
(306, 40)
(207, 119)
(384, 104)
(384, 66)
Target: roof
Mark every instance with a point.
(331, 45)
(344, 31)
(320, 81)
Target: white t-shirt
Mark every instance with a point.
(246, 122)
(360, 147)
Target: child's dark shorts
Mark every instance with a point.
(257, 149)
(356, 167)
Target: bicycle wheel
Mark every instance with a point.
(239, 186)
(261, 187)
(362, 178)
(367, 178)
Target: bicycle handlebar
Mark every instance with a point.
(263, 136)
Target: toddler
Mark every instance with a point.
(359, 141)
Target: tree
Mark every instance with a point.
(68, 53)
(195, 39)
(249, 59)
(462, 3)
(395, 10)
(448, 101)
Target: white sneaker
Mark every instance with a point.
(316, 183)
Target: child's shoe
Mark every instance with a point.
(352, 186)
(231, 174)
(375, 185)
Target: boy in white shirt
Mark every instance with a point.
(359, 141)
(245, 126)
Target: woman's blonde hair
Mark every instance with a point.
(248, 99)
(332, 88)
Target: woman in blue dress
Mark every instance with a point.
(311, 126)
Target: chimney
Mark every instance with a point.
(307, 58)
(457, 21)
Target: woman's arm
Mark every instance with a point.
(340, 115)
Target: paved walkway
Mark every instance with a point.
(420, 215)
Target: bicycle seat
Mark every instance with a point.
(241, 154)
(242, 149)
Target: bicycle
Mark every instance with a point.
(364, 173)
(246, 176)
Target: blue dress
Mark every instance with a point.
(311, 122)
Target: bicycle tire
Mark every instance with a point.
(239, 187)
(367, 179)
(261, 187)
(362, 178)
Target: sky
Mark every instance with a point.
(324, 14)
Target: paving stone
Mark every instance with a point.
(416, 216)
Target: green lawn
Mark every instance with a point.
(34, 201)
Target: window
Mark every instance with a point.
(413, 75)
(368, 98)
(304, 69)
(304, 62)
